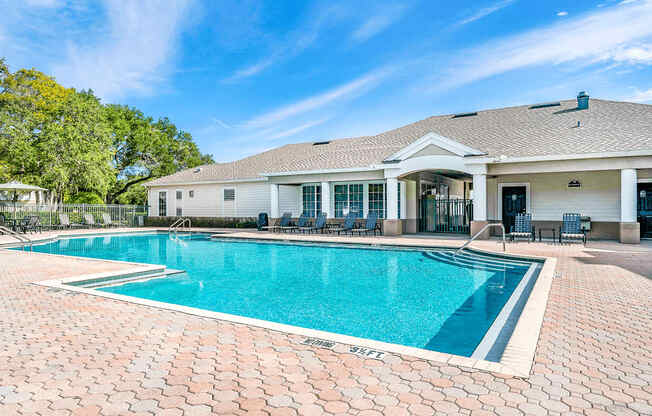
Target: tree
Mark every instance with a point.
(53, 136)
(144, 149)
(68, 142)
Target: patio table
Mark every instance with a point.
(552, 230)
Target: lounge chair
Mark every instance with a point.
(107, 222)
(31, 224)
(263, 221)
(320, 225)
(303, 222)
(284, 221)
(64, 222)
(371, 225)
(89, 221)
(522, 228)
(571, 229)
(349, 224)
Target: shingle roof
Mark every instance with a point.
(607, 126)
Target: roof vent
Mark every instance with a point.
(545, 105)
(460, 115)
(320, 143)
(197, 170)
(582, 101)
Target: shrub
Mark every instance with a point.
(204, 222)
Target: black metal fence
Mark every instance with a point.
(446, 215)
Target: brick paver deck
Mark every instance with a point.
(65, 353)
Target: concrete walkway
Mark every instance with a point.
(65, 353)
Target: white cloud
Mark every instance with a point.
(43, 3)
(563, 13)
(345, 91)
(133, 56)
(378, 22)
(607, 36)
(641, 96)
(294, 130)
(626, 2)
(485, 11)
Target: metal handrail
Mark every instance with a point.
(496, 224)
(23, 239)
(179, 224)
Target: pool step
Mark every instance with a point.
(485, 259)
(475, 262)
(131, 278)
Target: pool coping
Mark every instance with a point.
(516, 360)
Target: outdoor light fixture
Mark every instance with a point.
(643, 194)
(514, 197)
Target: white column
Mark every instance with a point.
(480, 197)
(392, 199)
(273, 196)
(326, 199)
(403, 186)
(411, 198)
(628, 195)
(365, 200)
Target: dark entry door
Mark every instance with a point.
(644, 208)
(513, 203)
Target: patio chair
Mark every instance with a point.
(64, 222)
(349, 224)
(263, 221)
(89, 221)
(284, 221)
(522, 228)
(303, 222)
(371, 225)
(31, 224)
(320, 225)
(570, 228)
(106, 220)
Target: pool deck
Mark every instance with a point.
(66, 353)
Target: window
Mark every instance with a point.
(191, 194)
(179, 212)
(377, 199)
(348, 197)
(428, 188)
(311, 200)
(229, 194)
(179, 195)
(162, 204)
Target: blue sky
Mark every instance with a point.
(244, 76)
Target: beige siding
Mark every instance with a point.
(252, 199)
(550, 197)
(289, 198)
(208, 200)
(432, 150)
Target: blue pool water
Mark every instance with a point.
(407, 297)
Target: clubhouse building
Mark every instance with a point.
(448, 174)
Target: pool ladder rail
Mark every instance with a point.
(23, 239)
(496, 224)
(179, 225)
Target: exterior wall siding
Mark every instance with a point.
(289, 200)
(598, 197)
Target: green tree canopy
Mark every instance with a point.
(68, 142)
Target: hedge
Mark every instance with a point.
(209, 222)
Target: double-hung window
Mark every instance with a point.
(311, 200)
(162, 204)
(377, 199)
(349, 198)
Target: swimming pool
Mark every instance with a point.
(413, 297)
